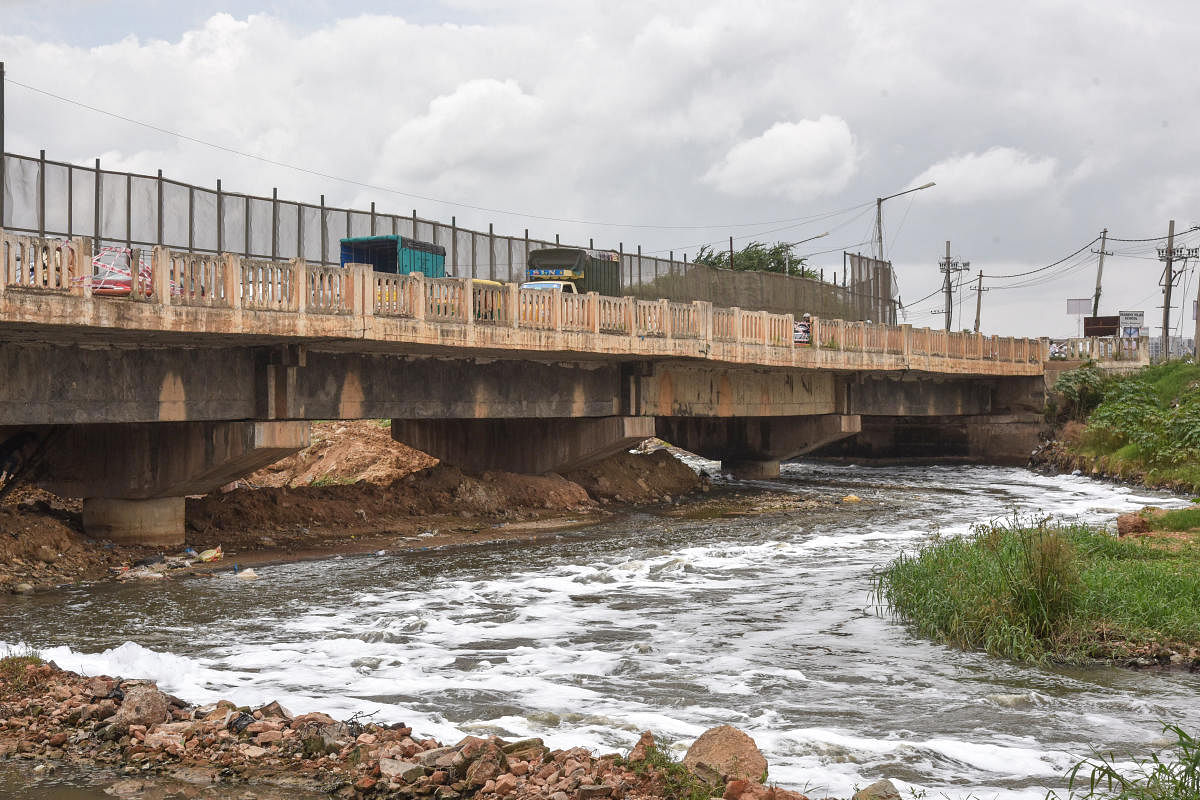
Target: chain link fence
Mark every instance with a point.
(52, 198)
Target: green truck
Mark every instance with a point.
(575, 269)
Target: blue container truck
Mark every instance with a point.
(397, 255)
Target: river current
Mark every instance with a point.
(651, 622)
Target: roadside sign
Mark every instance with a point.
(1101, 326)
(1082, 305)
(1131, 323)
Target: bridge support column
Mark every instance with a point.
(523, 445)
(134, 477)
(752, 447)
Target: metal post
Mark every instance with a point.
(299, 230)
(621, 267)
(978, 300)
(454, 245)
(415, 226)
(491, 252)
(70, 201)
(641, 279)
(274, 223)
(129, 211)
(526, 275)
(159, 238)
(2, 158)
(372, 217)
(191, 219)
(246, 205)
(323, 232)
(731, 252)
(42, 194)
(947, 288)
(556, 239)
(591, 244)
(96, 210)
(220, 218)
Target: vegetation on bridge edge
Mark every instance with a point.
(1144, 426)
(1040, 592)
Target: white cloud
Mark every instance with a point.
(796, 160)
(999, 173)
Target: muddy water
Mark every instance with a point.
(652, 622)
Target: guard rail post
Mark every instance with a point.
(814, 333)
(630, 316)
(557, 299)
(233, 283)
(704, 331)
(299, 299)
(467, 305)
(906, 338)
(514, 304)
(764, 324)
(160, 274)
(80, 280)
(664, 313)
(359, 300)
(593, 310)
(417, 284)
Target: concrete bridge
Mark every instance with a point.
(212, 365)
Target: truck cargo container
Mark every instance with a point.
(588, 270)
(397, 255)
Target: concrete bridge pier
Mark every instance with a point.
(134, 477)
(752, 447)
(523, 445)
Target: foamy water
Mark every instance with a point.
(653, 623)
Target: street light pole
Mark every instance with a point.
(787, 264)
(879, 215)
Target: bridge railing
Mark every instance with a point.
(30, 264)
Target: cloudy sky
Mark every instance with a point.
(669, 124)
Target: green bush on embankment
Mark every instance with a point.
(1043, 592)
(1146, 424)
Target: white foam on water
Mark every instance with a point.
(754, 623)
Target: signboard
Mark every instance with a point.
(1079, 306)
(1101, 326)
(555, 273)
(1131, 323)
(802, 333)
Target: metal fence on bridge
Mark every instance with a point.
(53, 198)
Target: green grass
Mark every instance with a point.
(14, 673)
(1183, 519)
(1171, 775)
(678, 783)
(1040, 592)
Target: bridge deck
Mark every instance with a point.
(46, 295)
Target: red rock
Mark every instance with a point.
(439, 777)
(58, 740)
(505, 784)
(725, 753)
(269, 737)
(643, 746)
(518, 767)
(363, 784)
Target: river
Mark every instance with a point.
(650, 622)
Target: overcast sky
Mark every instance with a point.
(1041, 122)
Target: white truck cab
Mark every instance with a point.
(552, 286)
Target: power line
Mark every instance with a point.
(398, 192)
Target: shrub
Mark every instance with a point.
(1081, 391)
(1172, 775)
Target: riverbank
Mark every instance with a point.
(1071, 594)
(1142, 429)
(353, 491)
(148, 740)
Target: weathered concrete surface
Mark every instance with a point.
(680, 389)
(752, 447)
(170, 459)
(917, 395)
(995, 439)
(523, 445)
(158, 522)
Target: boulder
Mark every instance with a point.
(1131, 523)
(143, 705)
(879, 790)
(725, 753)
(488, 765)
(403, 771)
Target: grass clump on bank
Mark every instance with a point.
(1041, 592)
(677, 782)
(15, 675)
(1171, 775)
(1147, 423)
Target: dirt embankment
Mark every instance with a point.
(353, 490)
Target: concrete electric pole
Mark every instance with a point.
(1099, 271)
(879, 216)
(949, 267)
(979, 290)
(1168, 279)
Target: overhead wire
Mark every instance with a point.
(796, 221)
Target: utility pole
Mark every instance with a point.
(1099, 272)
(731, 252)
(948, 266)
(979, 290)
(1168, 279)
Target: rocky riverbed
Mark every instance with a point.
(148, 739)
